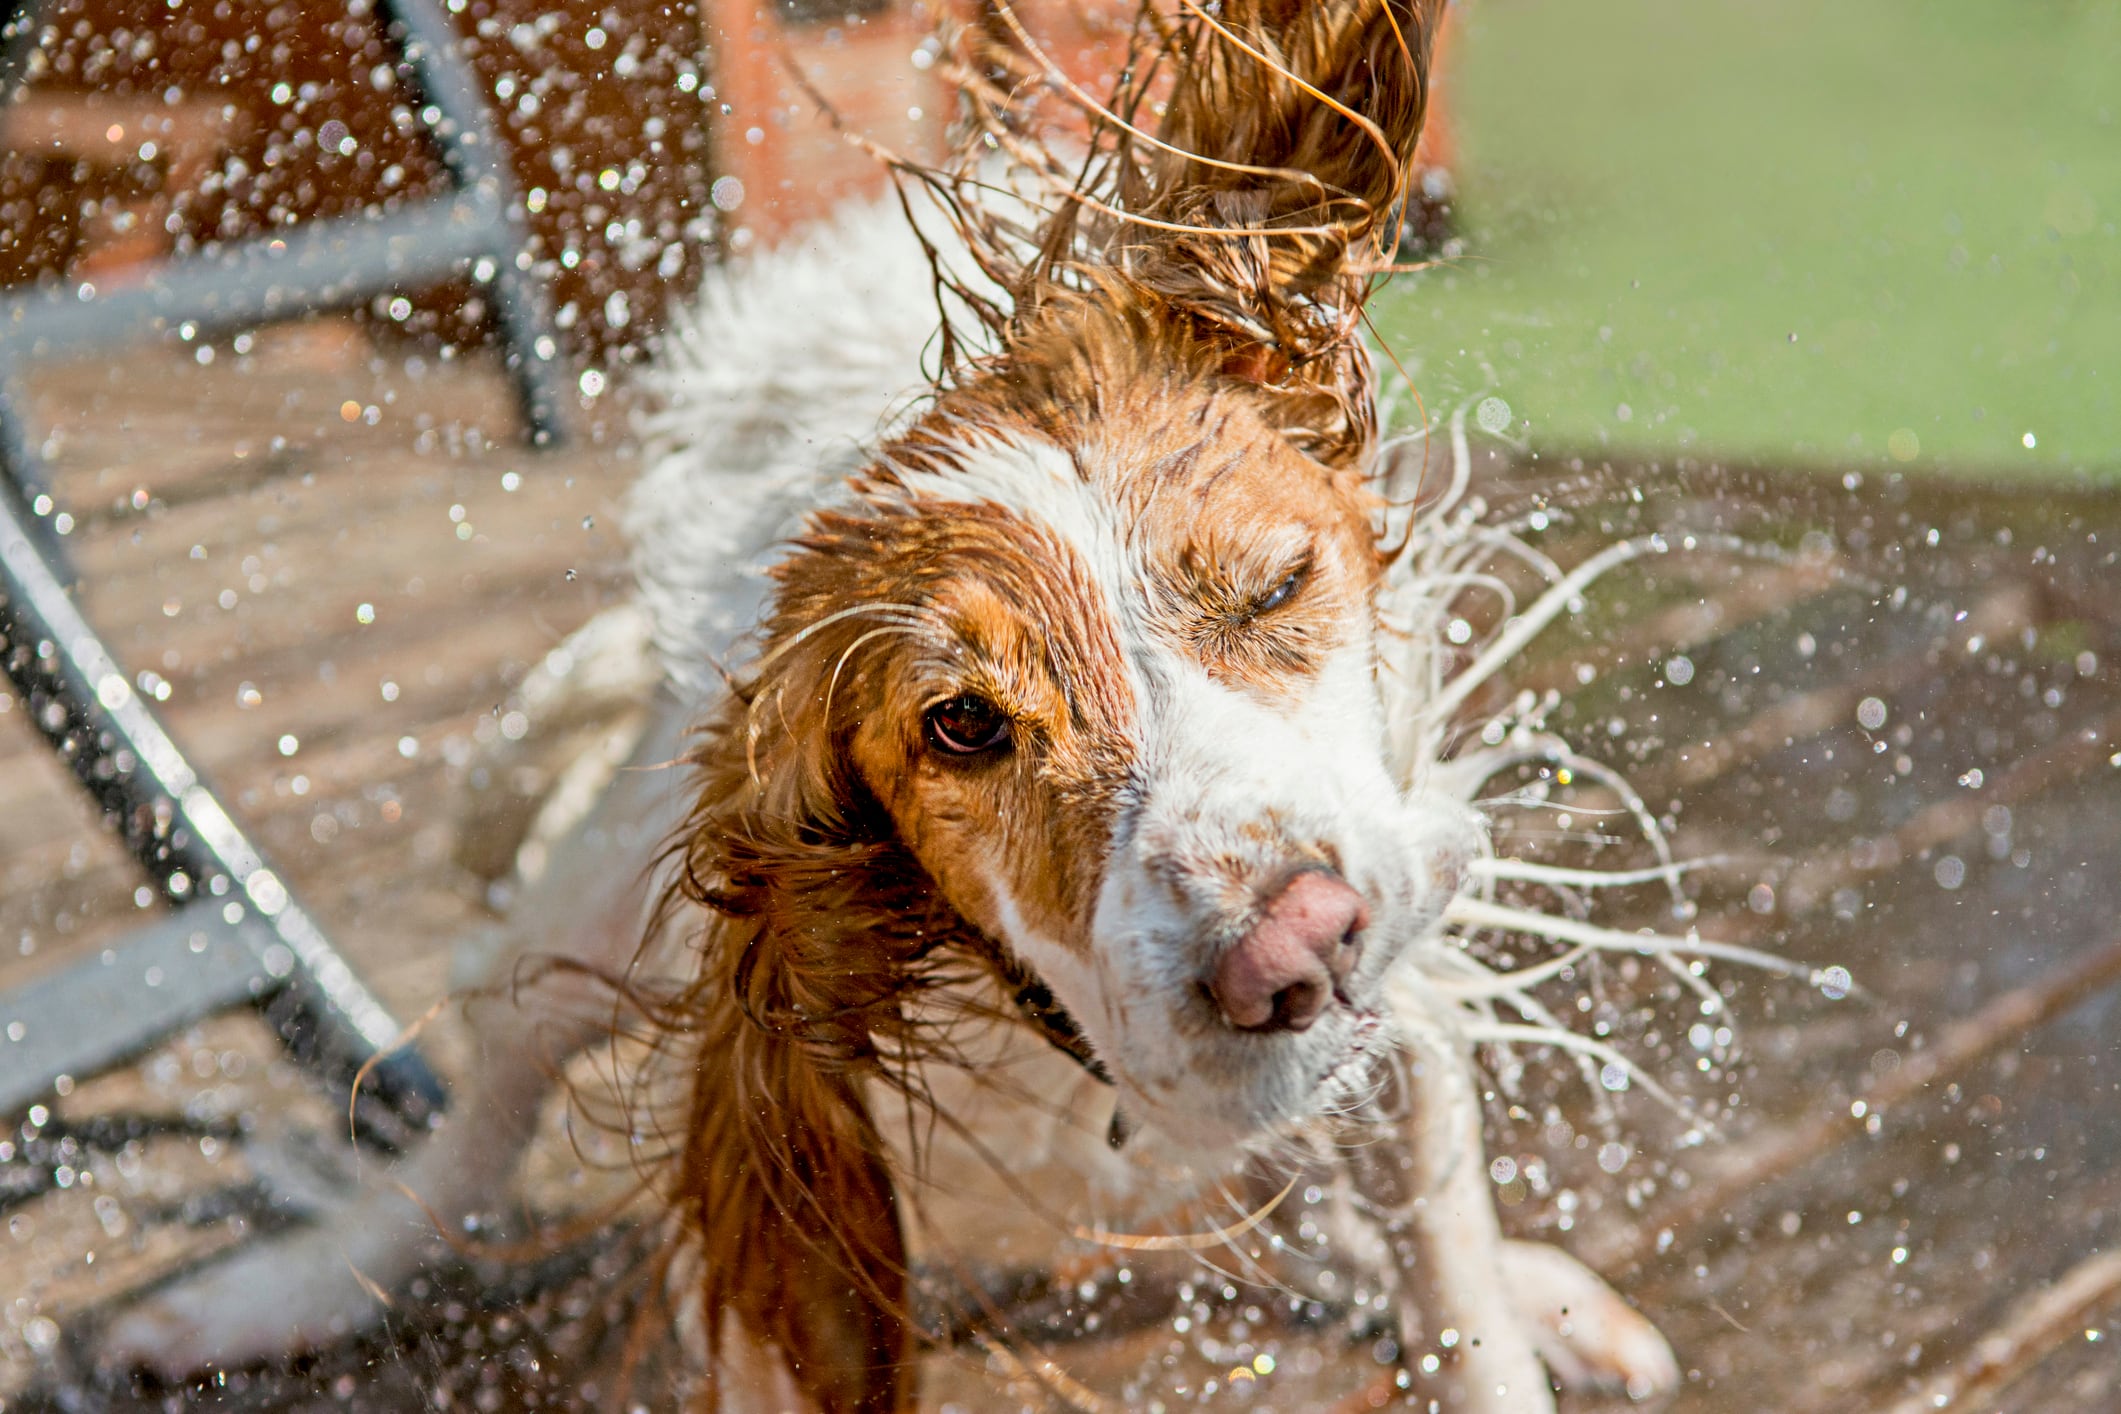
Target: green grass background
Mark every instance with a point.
(1657, 194)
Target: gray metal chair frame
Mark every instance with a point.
(236, 935)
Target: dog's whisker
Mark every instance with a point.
(1434, 586)
(839, 666)
(1561, 1038)
(799, 636)
(1186, 1242)
(1509, 984)
(1523, 871)
(1566, 597)
(1605, 1108)
(1475, 913)
(1525, 800)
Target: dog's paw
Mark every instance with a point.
(274, 1300)
(1588, 1336)
(279, 1298)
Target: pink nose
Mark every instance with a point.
(1279, 976)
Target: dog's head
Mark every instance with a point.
(1081, 674)
(1098, 655)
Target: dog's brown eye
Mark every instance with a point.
(967, 726)
(1280, 594)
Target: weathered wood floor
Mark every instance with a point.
(1903, 739)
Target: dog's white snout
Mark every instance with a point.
(1286, 969)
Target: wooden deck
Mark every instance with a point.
(232, 520)
(1905, 738)
(331, 561)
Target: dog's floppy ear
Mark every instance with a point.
(1259, 212)
(1287, 137)
(821, 923)
(1293, 122)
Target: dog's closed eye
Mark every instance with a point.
(1279, 595)
(967, 725)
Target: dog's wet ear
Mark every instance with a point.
(1288, 134)
(1257, 212)
(822, 933)
(783, 1181)
(1283, 158)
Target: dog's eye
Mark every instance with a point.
(967, 725)
(1280, 594)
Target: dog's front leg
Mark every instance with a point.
(1481, 1314)
(323, 1283)
(1464, 1340)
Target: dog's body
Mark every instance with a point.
(1071, 836)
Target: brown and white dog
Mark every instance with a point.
(1076, 819)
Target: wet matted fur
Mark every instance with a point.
(1134, 522)
(1040, 683)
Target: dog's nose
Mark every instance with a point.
(1280, 975)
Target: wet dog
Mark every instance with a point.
(1071, 814)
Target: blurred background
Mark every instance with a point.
(1798, 233)
(1843, 281)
